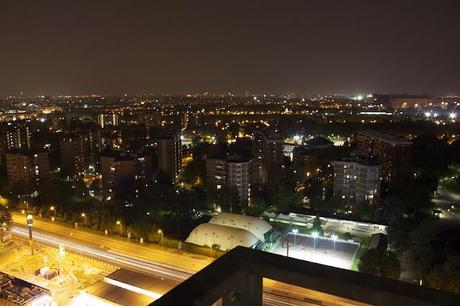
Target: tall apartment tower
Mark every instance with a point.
(15, 136)
(108, 119)
(232, 173)
(30, 169)
(125, 175)
(356, 179)
(80, 152)
(393, 152)
(169, 154)
(268, 153)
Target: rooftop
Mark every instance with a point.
(393, 139)
(254, 225)
(220, 236)
(16, 291)
(318, 141)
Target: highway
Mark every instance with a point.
(103, 255)
(275, 293)
(131, 263)
(170, 258)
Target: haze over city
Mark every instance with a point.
(264, 47)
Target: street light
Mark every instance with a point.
(314, 235)
(83, 215)
(30, 222)
(334, 238)
(53, 210)
(295, 231)
(119, 224)
(161, 236)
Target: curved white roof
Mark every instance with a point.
(225, 237)
(254, 225)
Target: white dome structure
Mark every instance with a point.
(222, 237)
(256, 226)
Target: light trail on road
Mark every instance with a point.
(128, 262)
(104, 255)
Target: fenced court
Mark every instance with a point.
(326, 251)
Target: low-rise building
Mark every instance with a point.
(261, 229)
(221, 237)
(226, 231)
(18, 292)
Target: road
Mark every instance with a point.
(449, 203)
(141, 258)
(150, 252)
(103, 254)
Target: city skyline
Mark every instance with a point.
(229, 153)
(300, 47)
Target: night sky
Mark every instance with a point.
(178, 47)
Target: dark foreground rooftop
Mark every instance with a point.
(236, 279)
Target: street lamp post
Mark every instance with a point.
(53, 210)
(315, 235)
(295, 231)
(83, 215)
(30, 222)
(120, 227)
(161, 236)
(287, 245)
(334, 238)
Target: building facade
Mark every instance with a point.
(29, 169)
(268, 153)
(14, 136)
(357, 180)
(123, 176)
(108, 119)
(80, 152)
(169, 156)
(232, 174)
(393, 152)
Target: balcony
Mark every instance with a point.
(241, 276)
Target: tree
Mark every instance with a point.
(257, 207)
(5, 216)
(228, 200)
(422, 237)
(431, 154)
(286, 200)
(399, 233)
(317, 225)
(369, 262)
(392, 209)
(193, 171)
(445, 276)
(380, 263)
(333, 205)
(364, 210)
(390, 266)
(314, 188)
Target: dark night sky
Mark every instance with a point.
(112, 47)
